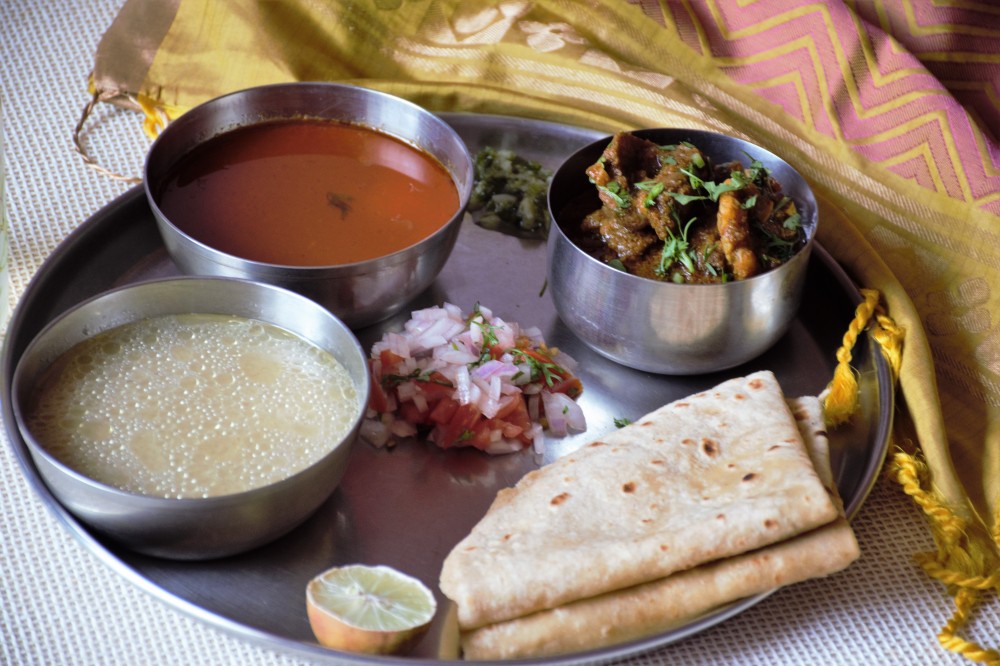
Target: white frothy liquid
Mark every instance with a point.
(193, 406)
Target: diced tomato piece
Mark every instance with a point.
(519, 416)
(512, 431)
(481, 431)
(378, 399)
(509, 407)
(459, 428)
(436, 386)
(409, 412)
(516, 423)
(444, 410)
(571, 386)
(390, 362)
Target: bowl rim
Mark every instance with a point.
(811, 226)
(37, 448)
(310, 271)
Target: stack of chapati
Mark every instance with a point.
(715, 497)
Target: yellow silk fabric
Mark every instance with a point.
(612, 65)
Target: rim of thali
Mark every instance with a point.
(106, 215)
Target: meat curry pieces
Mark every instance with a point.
(670, 214)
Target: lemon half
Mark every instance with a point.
(370, 609)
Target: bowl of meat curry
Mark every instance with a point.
(678, 251)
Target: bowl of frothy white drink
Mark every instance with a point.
(192, 418)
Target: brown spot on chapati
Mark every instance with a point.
(710, 447)
(682, 404)
(720, 516)
(664, 547)
(731, 465)
(506, 537)
(774, 447)
(657, 461)
(559, 499)
(469, 549)
(597, 443)
(770, 524)
(788, 441)
(645, 424)
(629, 487)
(739, 396)
(756, 384)
(647, 521)
(749, 477)
(687, 441)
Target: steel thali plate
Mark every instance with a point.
(408, 506)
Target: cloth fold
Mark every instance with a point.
(889, 111)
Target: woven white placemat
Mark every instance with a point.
(60, 604)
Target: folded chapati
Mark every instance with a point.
(708, 477)
(657, 606)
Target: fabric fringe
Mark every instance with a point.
(840, 399)
(155, 116)
(965, 564)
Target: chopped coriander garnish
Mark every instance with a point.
(489, 334)
(621, 422)
(618, 265)
(653, 189)
(693, 178)
(675, 249)
(389, 381)
(684, 199)
(613, 190)
(548, 371)
(737, 181)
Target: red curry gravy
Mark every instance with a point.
(308, 193)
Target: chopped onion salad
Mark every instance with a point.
(471, 380)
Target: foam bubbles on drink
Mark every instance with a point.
(193, 406)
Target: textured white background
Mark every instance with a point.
(60, 604)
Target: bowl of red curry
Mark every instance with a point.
(678, 251)
(347, 195)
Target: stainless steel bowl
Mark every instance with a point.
(360, 293)
(662, 327)
(198, 528)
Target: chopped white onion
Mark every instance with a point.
(562, 413)
(374, 432)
